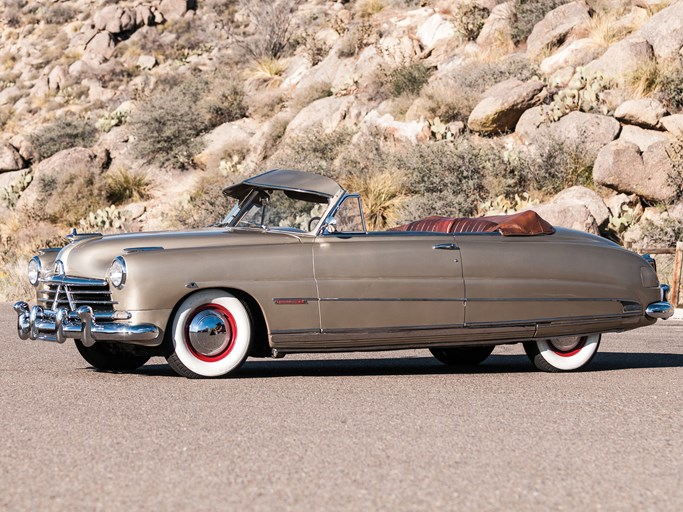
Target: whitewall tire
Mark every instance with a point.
(562, 354)
(211, 334)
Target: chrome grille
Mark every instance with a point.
(72, 296)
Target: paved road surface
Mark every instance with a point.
(391, 431)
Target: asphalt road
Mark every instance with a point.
(389, 431)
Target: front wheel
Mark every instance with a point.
(462, 356)
(211, 335)
(110, 358)
(562, 354)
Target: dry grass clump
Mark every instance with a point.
(267, 72)
(356, 38)
(63, 134)
(124, 185)
(304, 97)
(382, 194)
(605, 29)
(662, 80)
(269, 30)
(368, 8)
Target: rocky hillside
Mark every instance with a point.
(133, 115)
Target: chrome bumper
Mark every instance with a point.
(83, 324)
(661, 309)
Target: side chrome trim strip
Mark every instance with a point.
(131, 250)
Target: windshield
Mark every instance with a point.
(279, 209)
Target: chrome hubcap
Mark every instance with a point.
(566, 344)
(209, 333)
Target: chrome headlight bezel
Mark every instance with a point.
(117, 272)
(35, 269)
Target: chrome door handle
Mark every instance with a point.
(448, 247)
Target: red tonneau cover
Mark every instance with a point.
(527, 223)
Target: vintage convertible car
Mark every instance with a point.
(292, 268)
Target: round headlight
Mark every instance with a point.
(34, 268)
(117, 272)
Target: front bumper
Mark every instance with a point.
(661, 309)
(83, 324)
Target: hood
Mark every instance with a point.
(92, 256)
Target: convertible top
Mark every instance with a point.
(295, 181)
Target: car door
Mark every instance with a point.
(375, 284)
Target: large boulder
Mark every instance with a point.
(664, 31)
(396, 131)
(569, 214)
(503, 105)
(174, 9)
(621, 166)
(434, 29)
(591, 131)
(645, 112)
(99, 48)
(10, 159)
(587, 197)
(556, 26)
(115, 19)
(326, 114)
(577, 53)
(643, 138)
(673, 124)
(622, 59)
(224, 139)
(497, 28)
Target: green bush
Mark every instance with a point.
(409, 79)
(528, 13)
(63, 134)
(469, 20)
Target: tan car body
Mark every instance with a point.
(335, 291)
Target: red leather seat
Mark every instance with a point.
(527, 223)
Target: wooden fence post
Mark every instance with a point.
(676, 284)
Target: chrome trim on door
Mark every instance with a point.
(447, 247)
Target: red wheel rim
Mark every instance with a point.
(231, 327)
(569, 353)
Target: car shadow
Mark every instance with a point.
(267, 368)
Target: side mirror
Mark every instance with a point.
(330, 227)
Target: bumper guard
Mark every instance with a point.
(661, 309)
(83, 324)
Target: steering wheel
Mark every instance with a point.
(312, 222)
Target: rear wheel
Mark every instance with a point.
(211, 335)
(110, 358)
(462, 356)
(562, 354)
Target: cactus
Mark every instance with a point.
(624, 219)
(440, 130)
(506, 206)
(105, 218)
(583, 92)
(11, 193)
(232, 165)
(108, 121)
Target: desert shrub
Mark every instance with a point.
(367, 8)
(674, 152)
(382, 194)
(408, 79)
(671, 86)
(664, 233)
(443, 179)
(59, 14)
(265, 103)
(314, 49)
(62, 199)
(272, 25)
(204, 206)
(528, 13)
(124, 185)
(223, 101)
(267, 72)
(316, 91)
(168, 123)
(355, 39)
(63, 134)
(662, 80)
(314, 151)
(469, 20)
(553, 166)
